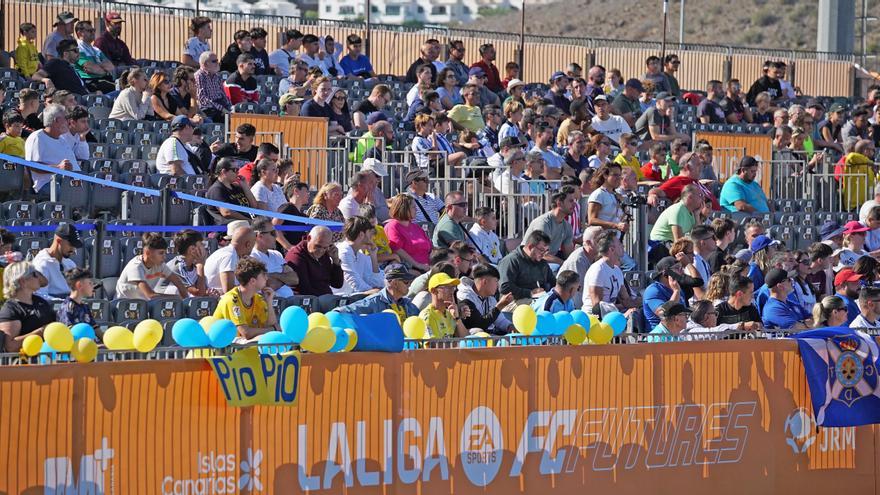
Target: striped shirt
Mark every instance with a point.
(210, 91)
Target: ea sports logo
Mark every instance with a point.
(800, 430)
(482, 446)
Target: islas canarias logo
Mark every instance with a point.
(482, 446)
(219, 473)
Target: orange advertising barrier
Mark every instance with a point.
(703, 417)
(307, 135)
(730, 148)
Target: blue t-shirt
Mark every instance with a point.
(736, 189)
(662, 334)
(359, 67)
(550, 301)
(779, 314)
(756, 274)
(762, 295)
(655, 295)
(852, 309)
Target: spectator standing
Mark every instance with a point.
(249, 303)
(285, 56)
(426, 57)
(202, 29)
(48, 147)
(173, 157)
(27, 57)
(316, 263)
(280, 276)
(141, 276)
(742, 192)
(133, 102)
(241, 86)
(212, 100)
(111, 43)
(24, 312)
(455, 62)
(53, 261)
(62, 30)
(487, 63)
(355, 63)
(73, 310)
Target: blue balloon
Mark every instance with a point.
(410, 345)
(336, 319)
(188, 333)
(581, 319)
(83, 331)
(341, 339)
(546, 323)
(222, 333)
(563, 321)
(472, 341)
(49, 355)
(617, 321)
(280, 340)
(294, 323)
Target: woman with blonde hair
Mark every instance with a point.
(24, 313)
(829, 312)
(326, 206)
(406, 238)
(717, 291)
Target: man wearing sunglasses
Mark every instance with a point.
(869, 308)
(59, 72)
(449, 228)
(95, 69)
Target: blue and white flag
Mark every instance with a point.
(841, 366)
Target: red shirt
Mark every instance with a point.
(493, 81)
(245, 172)
(652, 172)
(674, 185)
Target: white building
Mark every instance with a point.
(400, 11)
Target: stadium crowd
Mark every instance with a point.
(589, 143)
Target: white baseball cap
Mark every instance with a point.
(375, 166)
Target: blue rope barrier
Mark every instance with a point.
(336, 226)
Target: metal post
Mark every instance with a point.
(198, 8)
(522, 39)
(642, 235)
(367, 33)
(165, 204)
(96, 248)
(681, 27)
(663, 43)
(864, 33)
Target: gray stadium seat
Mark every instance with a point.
(134, 167)
(104, 166)
(327, 302)
(124, 152)
(116, 137)
(105, 197)
(21, 210)
(124, 233)
(98, 151)
(100, 310)
(129, 247)
(196, 183)
(164, 309)
(141, 207)
(129, 309)
(29, 246)
(199, 307)
(51, 210)
(308, 303)
(108, 263)
(11, 177)
(73, 193)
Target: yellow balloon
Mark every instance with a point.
(147, 335)
(352, 339)
(601, 333)
(199, 353)
(119, 339)
(84, 350)
(319, 340)
(414, 328)
(594, 320)
(524, 319)
(31, 345)
(58, 336)
(575, 334)
(318, 320)
(206, 322)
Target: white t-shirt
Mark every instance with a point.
(861, 322)
(506, 183)
(282, 59)
(488, 243)
(273, 198)
(195, 47)
(46, 150)
(613, 127)
(172, 150)
(50, 268)
(611, 211)
(274, 264)
(349, 206)
(135, 271)
(412, 94)
(609, 278)
(222, 260)
(80, 148)
(357, 269)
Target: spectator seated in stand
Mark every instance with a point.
(249, 303)
(24, 313)
(141, 276)
(316, 263)
(73, 310)
(560, 297)
(393, 297)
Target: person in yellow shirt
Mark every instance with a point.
(860, 174)
(249, 304)
(11, 142)
(469, 115)
(27, 57)
(627, 156)
(443, 316)
(384, 255)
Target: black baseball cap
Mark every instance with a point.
(672, 308)
(775, 276)
(68, 233)
(397, 271)
(663, 266)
